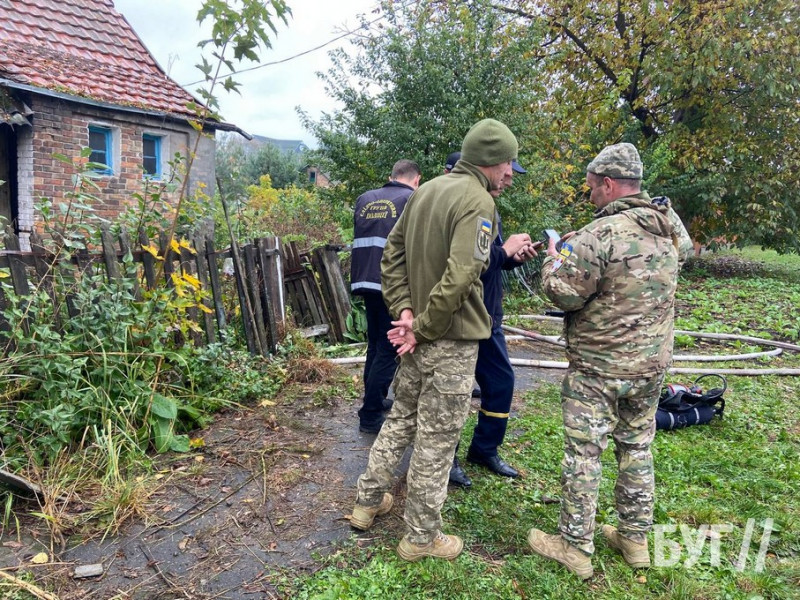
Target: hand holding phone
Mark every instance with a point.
(552, 234)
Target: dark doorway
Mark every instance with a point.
(8, 175)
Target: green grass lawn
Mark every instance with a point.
(741, 472)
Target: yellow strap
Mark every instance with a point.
(495, 415)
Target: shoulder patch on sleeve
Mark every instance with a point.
(563, 254)
(483, 238)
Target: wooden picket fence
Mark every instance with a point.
(274, 282)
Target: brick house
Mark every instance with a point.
(74, 74)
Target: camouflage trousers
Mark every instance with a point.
(592, 408)
(432, 391)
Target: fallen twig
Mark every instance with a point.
(28, 587)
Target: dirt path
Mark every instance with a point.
(267, 493)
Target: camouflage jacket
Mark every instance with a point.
(616, 280)
(436, 253)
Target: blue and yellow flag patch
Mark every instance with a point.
(483, 239)
(563, 254)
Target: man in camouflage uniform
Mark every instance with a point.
(430, 273)
(616, 280)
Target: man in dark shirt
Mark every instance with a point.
(493, 372)
(376, 212)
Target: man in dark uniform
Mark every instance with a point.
(493, 371)
(376, 212)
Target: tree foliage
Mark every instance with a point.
(415, 84)
(706, 90)
(239, 166)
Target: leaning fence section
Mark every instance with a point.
(269, 283)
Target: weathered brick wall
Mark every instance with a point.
(61, 127)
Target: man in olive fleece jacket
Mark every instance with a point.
(431, 271)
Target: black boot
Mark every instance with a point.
(494, 463)
(458, 476)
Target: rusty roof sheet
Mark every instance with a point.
(87, 49)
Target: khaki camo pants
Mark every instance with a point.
(592, 408)
(433, 387)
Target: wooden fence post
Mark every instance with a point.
(19, 277)
(253, 290)
(148, 260)
(110, 254)
(267, 259)
(334, 291)
(216, 288)
(201, 265)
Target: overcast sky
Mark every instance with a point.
(270, 94)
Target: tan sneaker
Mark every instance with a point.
(636, 554)
(363, 516)
(558, 549)
(442, 546)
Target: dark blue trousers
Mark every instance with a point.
(380, 366)
(495, 377)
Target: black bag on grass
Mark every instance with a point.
(681, 406)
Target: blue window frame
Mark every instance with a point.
(151, 156)
(100, 144)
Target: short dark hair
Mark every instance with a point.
(407, 169)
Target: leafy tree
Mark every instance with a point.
(707, 90)
(237, 168)
(415, 85)
(283, 168)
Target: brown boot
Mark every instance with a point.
(636, 554)
(442, 546)
(558, 549)
(363, 516)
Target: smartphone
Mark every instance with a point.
(552, 234)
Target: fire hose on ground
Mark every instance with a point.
(778, 348)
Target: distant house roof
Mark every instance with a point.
(84, 48)
(284, 146)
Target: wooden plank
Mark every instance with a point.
(311, 291)
(165, 250)
(266, 258)
(305, 300)
(246, 310)
(293, 296)
(275, 279)
(254, 289)
(189, 267)
(326, 261)
(216, 287)
(109, 254)
(201, 266)
(19, 275)
(148, 260)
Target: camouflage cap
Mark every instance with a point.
(619, 161)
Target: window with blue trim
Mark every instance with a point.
(151, 156)
(100, 145)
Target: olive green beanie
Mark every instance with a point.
(488, 143)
